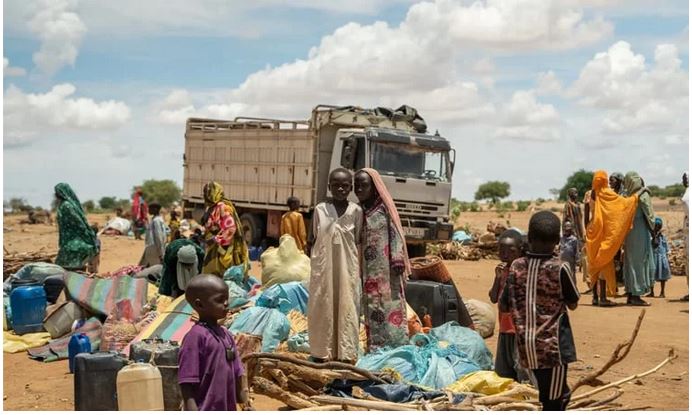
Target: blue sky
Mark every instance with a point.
(96, 93)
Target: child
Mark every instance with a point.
(292, 223)
(95, 261)
(335, 285)
(660, 245)
(154, 239)
(538, 292)
(174, 227)
(570, 250)
(210, 372)
(506, 364)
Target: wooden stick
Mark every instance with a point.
(515, 406)
(324, 408)
(378, 406)
(611, 406)
(327, 365)
(270, 389)
(296, 383)
(618, 392)
(671, 356)
(615, 358)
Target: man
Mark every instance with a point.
(572, 213)
(686, 229)
(140, 213)
(615, 183)
(155, 238)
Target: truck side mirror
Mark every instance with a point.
(348, 154)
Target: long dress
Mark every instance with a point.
(221, 228)
(383, 281)
(661, 263)
(335, 284)
(77, 243)
(154, 243)
(638, 262)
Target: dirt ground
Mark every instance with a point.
(31, 385)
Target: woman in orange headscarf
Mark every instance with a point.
(612, 220)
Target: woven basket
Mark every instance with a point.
(430, 268)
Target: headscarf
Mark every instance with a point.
(390, 207)
(186, 266)
(213, 194)
(77, 240)
(612, 220)
(634, 184)
(67, 195)
(658, 221)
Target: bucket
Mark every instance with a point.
(79, 343)
(140, 388)
(60, 321)
(28, 304)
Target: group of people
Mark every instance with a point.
(617, 239)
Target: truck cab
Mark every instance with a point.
(416, 168)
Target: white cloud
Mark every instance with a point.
(60, 30)
(636, 97)
(8, 70)
(548, 84)
(527, 119)
(28, 115)
(176, 107)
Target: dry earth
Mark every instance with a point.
(31, 385)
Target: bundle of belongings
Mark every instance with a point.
(117, 226)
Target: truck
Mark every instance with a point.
(261, 162)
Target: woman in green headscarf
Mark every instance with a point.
(638, 262)
(225, 243)
(77, 240)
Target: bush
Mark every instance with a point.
(163, 191)
(540, 201)
(474, 207)
(507, 205)
(522, 205)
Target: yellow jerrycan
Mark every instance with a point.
(140, 388)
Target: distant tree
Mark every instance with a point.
(656, 191)
(107, 202)
(89, 205)
(555, 193)
(674, 190)
(492, 191)
(581, 180)
(163, 191)
(18, 204)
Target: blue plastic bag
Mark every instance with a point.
(270, 324)
(285, 297)
(299, 343)
(466, 340)
(462, 236)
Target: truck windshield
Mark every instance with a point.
(416, 162)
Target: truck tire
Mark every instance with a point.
(415, 250)
(253, 228)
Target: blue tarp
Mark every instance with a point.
(466, 340)
(462, 236)
(285, 297)
(268, 323)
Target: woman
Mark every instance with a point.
(385, 264)
(606, 230)
(638, 263)
(225, 246)
(77, 240)
(181, 262)
(140, 213)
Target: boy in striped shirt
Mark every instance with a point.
(539, 290)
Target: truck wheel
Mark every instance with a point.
(415, 250)
(253, 228)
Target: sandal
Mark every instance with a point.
(638, 302)
(607, 303)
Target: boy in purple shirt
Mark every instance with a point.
(210, 372)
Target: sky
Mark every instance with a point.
(96, 93)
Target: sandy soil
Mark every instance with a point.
(30, 385)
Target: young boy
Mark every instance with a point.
(292, 223)
(570, 250)
(539, 290)
(335, 284)
(210, 372)
(506, 360)
(660, 245)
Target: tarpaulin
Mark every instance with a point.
(98, 295)
(467, 340)
(13, 343)
(57, 349)
(285, 297)
(268, 323)
(172, 323)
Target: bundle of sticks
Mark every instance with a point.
(677, 257)
(299, 384)
(457, 251)
(12, 262)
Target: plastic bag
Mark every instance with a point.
(299, 343)
(38, 271)
(237, 297)
(284, 264)
(483, 316)
(285, 297)
(467, 340)
(268, 323)
(483, 381)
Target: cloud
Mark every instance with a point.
(527, 119)
(636, 97)
(176, 107)
(60, 30)
(8, 70)
(27, 115)
(548, 84)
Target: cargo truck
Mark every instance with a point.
(261, 162)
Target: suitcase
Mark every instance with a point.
(439, 300)
(166, 359)
(95, 376)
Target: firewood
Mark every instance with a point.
(266, 387)
(378, 406)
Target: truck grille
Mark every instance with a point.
(427, 209)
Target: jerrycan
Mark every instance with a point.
(140, 388)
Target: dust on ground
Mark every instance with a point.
(32, 385)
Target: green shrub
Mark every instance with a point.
(474, 207)
(555, 209)
(540, 201)
(507, 205)
(522, 205)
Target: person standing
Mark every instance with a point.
(572, 213)
(384, 262)
(292, 223)
(154, 239)
(607, 229)
(638, 260)
(335, 283)
(225, 246)
(77, 241)
(686, 230)
(140, 213)
(662, 265)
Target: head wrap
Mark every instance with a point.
(635, 185)
(390, 207)
(186, 267)
(658, 221)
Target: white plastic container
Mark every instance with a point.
(59, 322)
(140, 388)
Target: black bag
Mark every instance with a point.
(53, 286)
(439, 300)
